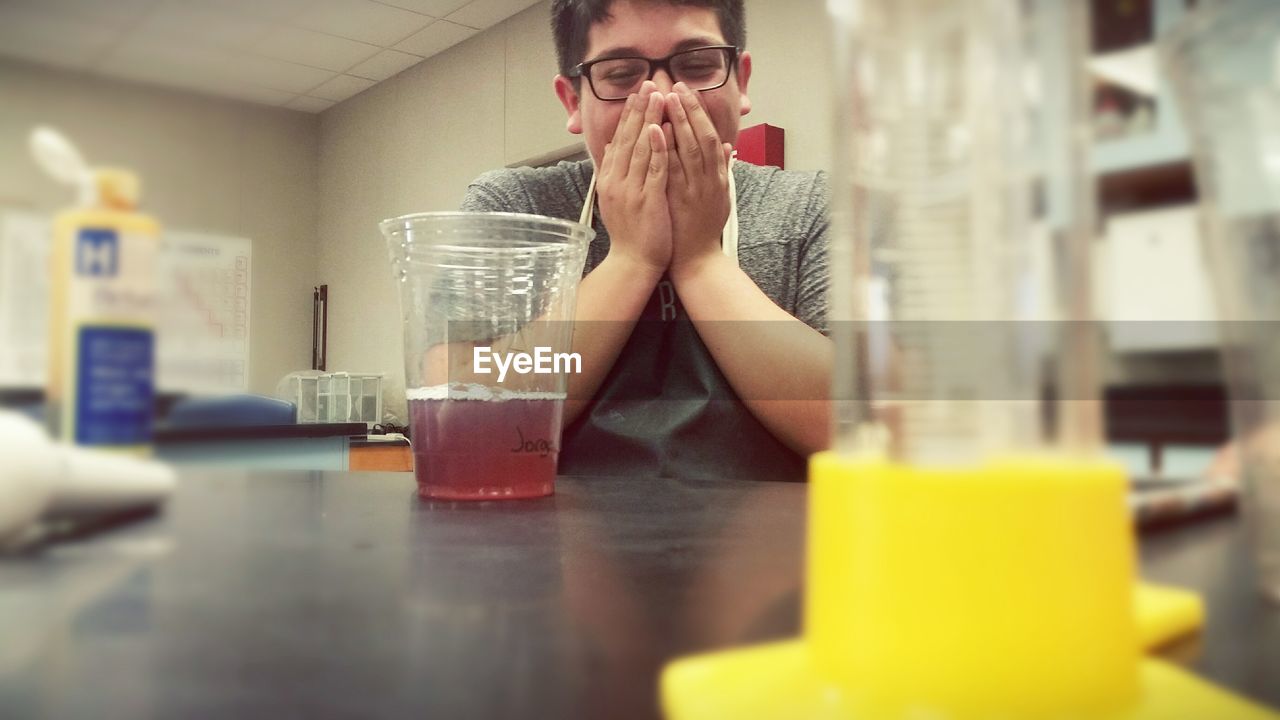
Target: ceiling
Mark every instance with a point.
(301, 54)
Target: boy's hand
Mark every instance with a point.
(697, 183)
(632, 184)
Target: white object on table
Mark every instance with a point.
(40, 478)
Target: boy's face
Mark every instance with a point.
(652, 30)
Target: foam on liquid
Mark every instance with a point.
(475, 391)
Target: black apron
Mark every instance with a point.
(666, 410)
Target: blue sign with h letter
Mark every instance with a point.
(97, 252)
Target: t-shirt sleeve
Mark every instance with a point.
(815, 273)
(494, 191)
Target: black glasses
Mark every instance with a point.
(615, 78)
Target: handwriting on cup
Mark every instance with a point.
(541, 446)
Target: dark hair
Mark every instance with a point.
(571, 20)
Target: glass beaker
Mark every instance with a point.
(488, 304)
(1224, 64)
(964, 288)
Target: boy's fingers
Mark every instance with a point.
(617, 132)
(656, 180)
(606, 161)
(641, 111)
(675, 168)
(637, 111)
(622, 120)
(703, 128)
(629, 133)
(639, 170)
(653, 107)
(686, 143)
(724, 170)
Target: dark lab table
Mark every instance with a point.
(341, 595)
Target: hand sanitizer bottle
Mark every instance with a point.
(101, 387)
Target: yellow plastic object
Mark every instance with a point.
(1003, 590)
(1165, 614)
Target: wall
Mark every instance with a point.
(412, 143)
(207, 165)
(791, 80)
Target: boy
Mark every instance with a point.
(702, 313)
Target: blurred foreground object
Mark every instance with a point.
(40, 479)
(1225, 65)
(101, 383)
(229, 411)
(970, 554)
(203, 289)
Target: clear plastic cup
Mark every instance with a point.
(1224, 62)
(479, 291)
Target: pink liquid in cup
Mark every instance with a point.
(474, 445)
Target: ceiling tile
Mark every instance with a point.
(309, 104)
(212, 85)
(206, 65)
(384, 65)
(198, 69)
(260, 95)
(436, 37)
(362, 20)
(23, 47)
(305, 54)
(341, 87)
(115, 15)
(269, 10)
(315, 49)
(279, 75)
(200, 22)
(30, 33)
(482, 14)
(173, 75)
(434, 8)
(145, 57)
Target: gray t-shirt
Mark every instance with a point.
(782, 224)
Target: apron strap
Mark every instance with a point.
(589, 207)
(728, 238)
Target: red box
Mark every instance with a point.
(762, 145)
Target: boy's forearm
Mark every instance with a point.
(610, 301)
(779, 367)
